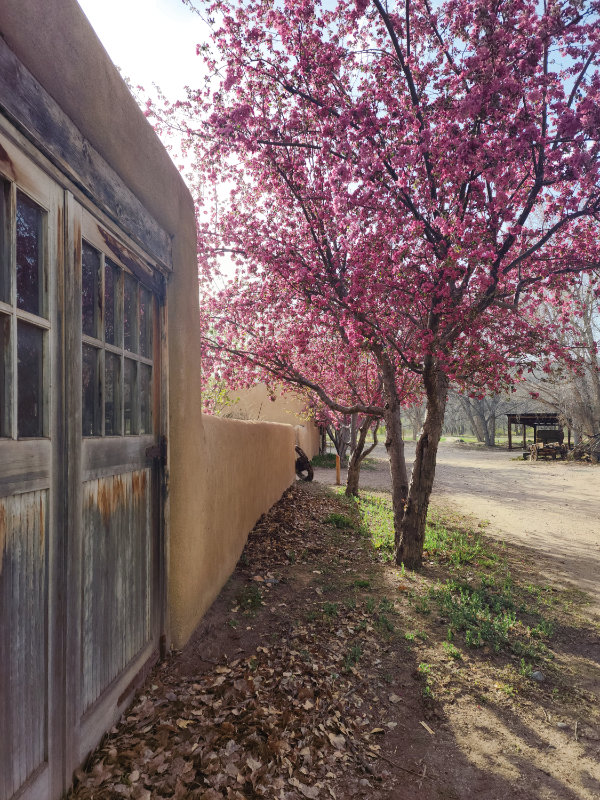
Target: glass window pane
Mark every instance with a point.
(90, 290)
(5, 375)
(90, 392)
(130, 314)
(112, 295)
(30, 380)
(30, 255)
(145, 323)
(130, 396)
(5, 271)
(145, 382)
(112, 394)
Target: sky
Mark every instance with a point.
(151, 41)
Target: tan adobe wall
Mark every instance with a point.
(246, 468)
(216, 491)
(287, 407)
(307, 436)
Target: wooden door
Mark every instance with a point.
(31, 508)
(82, 421)
(116, 563)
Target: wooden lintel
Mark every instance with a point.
(27, 105)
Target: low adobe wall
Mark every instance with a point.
(245, 468)
(307, 437)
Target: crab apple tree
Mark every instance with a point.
(455, 148)
(259, 330)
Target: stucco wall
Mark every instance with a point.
(246, 466)
(307, 436)
(221, 476)
(287, 407)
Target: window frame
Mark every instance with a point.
(119, 349)
(10, 311)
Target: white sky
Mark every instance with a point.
(151, 41)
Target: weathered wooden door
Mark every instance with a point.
(82, 410)
(31, 506)
(116, 454)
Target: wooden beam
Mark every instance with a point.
(40, 119)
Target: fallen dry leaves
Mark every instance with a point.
(299, 717)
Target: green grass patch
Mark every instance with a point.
(458, 545)
(352, 657)
(250, 598)
(444, 539)
(492, 612)
(377, 520)
(331, 609)
(338, 520)
(324, 460)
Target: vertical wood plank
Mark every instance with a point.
(24, 637)
(117, 565)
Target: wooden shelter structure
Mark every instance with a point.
(537, 421)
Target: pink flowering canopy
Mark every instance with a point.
(422, 175)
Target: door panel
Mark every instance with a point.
(117, 572)
(24, 677)
(30, 659)
(119, 479)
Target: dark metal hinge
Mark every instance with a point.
(158, 451)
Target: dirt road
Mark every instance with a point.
(551, 507)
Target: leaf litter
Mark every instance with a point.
(299, 716)
(298, 684)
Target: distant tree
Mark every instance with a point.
(482, 414)
(423, 175)
(571, 385)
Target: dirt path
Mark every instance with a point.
(551, 507)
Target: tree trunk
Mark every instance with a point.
(409, 550)
(354, 428)
(358, 456)
(394, 445)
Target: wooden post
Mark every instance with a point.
(524, 438)
(338, 479)
(509, 434)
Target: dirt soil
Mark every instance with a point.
(551, 507)
(311, 677)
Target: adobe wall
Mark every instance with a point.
(245, 469)
(288, 407)
(222, 474)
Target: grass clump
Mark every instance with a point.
(487, 612)
(454, 544)
(323, 460)
(444, 541)
(338, 520)
(250, 598)
(378, 522)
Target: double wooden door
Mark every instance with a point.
(81, 408)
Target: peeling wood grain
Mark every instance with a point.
(2, 534)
